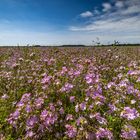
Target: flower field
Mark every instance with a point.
(70, 93)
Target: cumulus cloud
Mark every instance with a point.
(119, 4)
(86, 14)
(106, 7)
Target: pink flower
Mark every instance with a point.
(5, 96)
(72, 99)
(69, 117)
(67, 87)
(83, 106)
(71, 131)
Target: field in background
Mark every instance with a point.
(70, 93)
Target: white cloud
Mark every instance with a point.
(106, 7)
(131, 10)
(119, 4)
(86, 14)
(120, 22)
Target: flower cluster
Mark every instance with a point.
(70, 93)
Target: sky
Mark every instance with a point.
(58, 22)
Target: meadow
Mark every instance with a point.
(70, 93)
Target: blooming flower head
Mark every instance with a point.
(69, 117)
(112, 108)
(77, 108)
(25, 97)
(103, 133)
(5, 96)
(81, 120)
(61, 110)
(48, 118)
(100, 119)
(46, 79)
(28, 108)
(13, 117)
(29, 134)
(72, 99)
(129, 114)
(129, 132)
(67, 87)
(31, 121)
(39, 102)
(71, 131)
(82, 106)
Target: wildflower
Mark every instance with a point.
(48, 118)
(25, 97)
(15, 115)
(72, 99)
(129, 113)
(77, 108)
(100, 119)
(133, 101)
(61, 110)
(82, 106)
(5, 96)
(112, 108)
(71, 131)
(67, 87)
(129, 132)
(69, 117)
(28, 108)
(77, 73)
(46, 79)
(103, 133)
(39, 102)
(89, 78)
(52, 107)
(29, 134)
(31, 121)
(81, 120)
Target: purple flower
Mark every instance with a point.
(39, 102)
(103, 133)
(77, 108)
(15, 115)
(46, 79)
(71, 131)
(100, 119)
(5, 96)
(31, 121)
(129, 132)
(25, 97)
(110, 84)
(29, 134)
(112, 108)
(92, 78)
(28, 109)
(77, 73)
(52, 107)
(81, 120)
(20, 104)
(129, 113)
(64, 70)
(48, 118)
(72, 99)
(69, 117)
(67, 87)
(83, 106)
(61, 110)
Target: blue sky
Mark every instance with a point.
(56, 22)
